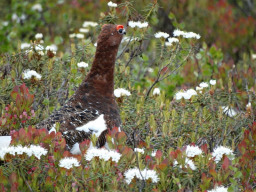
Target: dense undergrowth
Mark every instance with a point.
(172, 137)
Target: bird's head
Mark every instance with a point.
(110, 35)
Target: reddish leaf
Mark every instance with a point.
(225, 163)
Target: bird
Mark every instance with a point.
(92, 109)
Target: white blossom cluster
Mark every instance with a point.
(35, 150)
(184, 34)
(139, 150)
(39, 36)
(142, 175)
(77, 35)
(89, 24)
(171, 40)
(121, 92)
(69, 162)
(52, 48)
(37, 7)
(25, 45)
(161, 34)
(28, 74)
(156, 91)
(219, 189)
(188, 162)
(83, 30)
(111, 4)
(185, 94)
(102, 154)
(138, 24)
(82, 64)
(220, 151)
(192, 151)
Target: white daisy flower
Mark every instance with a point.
(82, 64)
(178, 33)
(220, 151)
(192, 151)
(69, 162)
(212, 82)
(52, 48)
(39, 36)
(185, 94)
(121, 92)
(142, 175)
(161, 34)
(156, 91)
(37, 7)
(28, 74)
(111, 4)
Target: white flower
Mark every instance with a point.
(39, 47)
(203, 85)
(39, 36)
(102, 154)
(25, 45)
(5, 23)
(161, 34)
(121, 92)
(29, 73)
(220, 151)
(253, 56)
(229, 111)
(138, 24)
(142, 175)
(37, 7)
(192, 151)
(219, 189)
(83, 30)
(73, 35)
(153, 154)
(212, 82)
(178, 33)
(139, 150)
(15, 17)
(52, 48)
(156, 91)
(89, 24)
(173, 40)
(41, 53)
(185, 94)
(79, 35)
(111, 4)
(188, 162)
(69, 162)
(35, 150)
(249, 105)
(95, 44)
(82, 64)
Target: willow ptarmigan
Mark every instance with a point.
(93, 102)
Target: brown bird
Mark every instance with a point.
(92, 109)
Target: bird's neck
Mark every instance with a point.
(101, 75)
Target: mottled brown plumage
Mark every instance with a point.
(95, 96)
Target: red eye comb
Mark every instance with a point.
(119, 27)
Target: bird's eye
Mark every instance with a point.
(120, 31)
